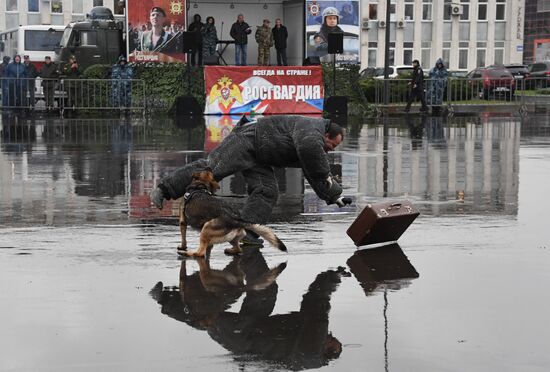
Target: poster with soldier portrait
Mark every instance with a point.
(324, 17)
(155, 30)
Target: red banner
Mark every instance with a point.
(264, 90)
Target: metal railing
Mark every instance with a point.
(465, 91)
(73, 94)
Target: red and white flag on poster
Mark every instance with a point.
(264, 90)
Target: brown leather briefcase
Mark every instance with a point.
(382, 222)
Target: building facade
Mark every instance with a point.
(465, 33)
(14, 13)
(537, 31)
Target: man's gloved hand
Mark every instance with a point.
(343, 201)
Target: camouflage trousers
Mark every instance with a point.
(263, 55)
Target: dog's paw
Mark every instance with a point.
(193, 254)
(182, 247)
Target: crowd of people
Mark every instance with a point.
(18, 83)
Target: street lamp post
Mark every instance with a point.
(387, 54)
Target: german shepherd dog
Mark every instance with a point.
(217, 220)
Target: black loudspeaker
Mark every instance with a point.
(210, 60)
(189, 41)
(187, 106)
(312, 61)
(337, 105)
(336, 43)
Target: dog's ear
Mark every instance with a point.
(214, 185)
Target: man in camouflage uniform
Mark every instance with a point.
(122, 84)
(264, 38)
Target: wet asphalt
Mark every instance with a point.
(90, 279)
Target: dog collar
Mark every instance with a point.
(188, 195)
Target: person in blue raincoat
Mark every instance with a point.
(122, 85)
(438, 84)
(16, 74)
(4, 77)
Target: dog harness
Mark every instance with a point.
(189, 195)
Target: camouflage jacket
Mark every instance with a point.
(264, 36)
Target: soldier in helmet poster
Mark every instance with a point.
(156, 28)
(324, 17)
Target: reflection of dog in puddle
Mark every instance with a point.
(218, 221)
(297, 340)
(202, 295)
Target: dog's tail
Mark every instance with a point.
(268, 234)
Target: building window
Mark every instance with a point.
(373, 34)
(500, 30)
(408, 35)
(426, 12)
(409, 12)
(407, 56)
(463, 59)
(499, 56)
(447, 12)
(56, 6)
(465, 12)
(392, 12)
(543, 6)
(119, 7)
(464, 31)
(482, 12)
(34, 19)
(480, 58)
(11, 5)
(482, 31)
(12, 20)
(78, 7)
(57, 19)
(393, 28)
(447, 28)
(426, 31)
(372, 57)
(446, 56)
(373, 11)
(501, 10)
(426, 57)
(33, 6)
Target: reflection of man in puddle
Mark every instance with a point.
(299, 340)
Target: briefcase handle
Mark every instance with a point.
(395, 205)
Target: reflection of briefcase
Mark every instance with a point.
(380, 267)
(382, 222)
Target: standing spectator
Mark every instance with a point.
(49, 74)
(239, 32)
(264, 38)
(438, 84)
(30, 83)
(209, 37)
(122, 83)
(71, 72)
(4, 78)
(17, 73)
(280, 34)
(416, 87)
(196, 27)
